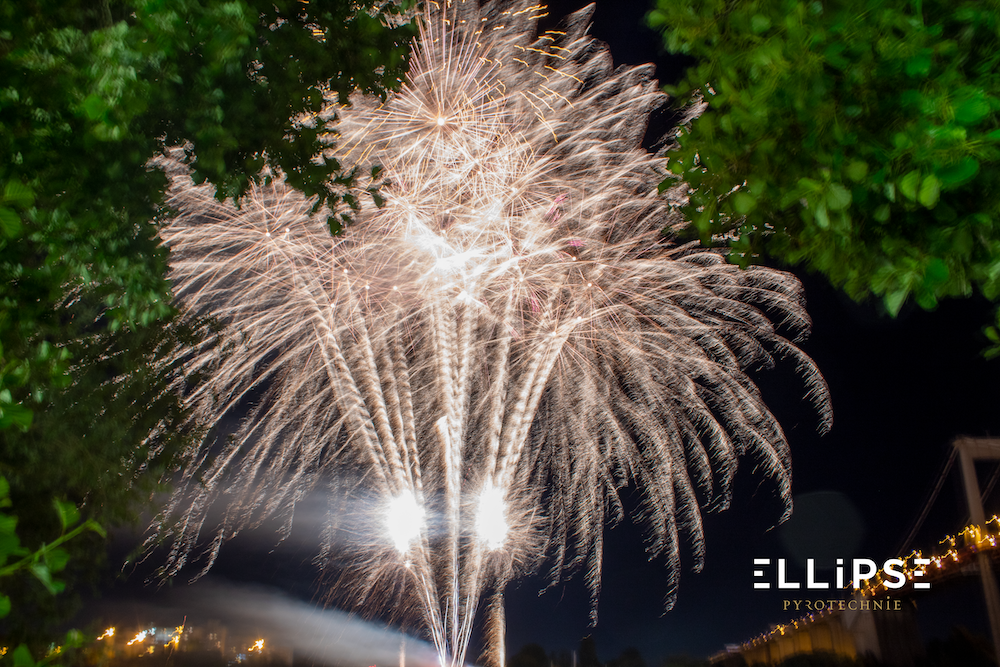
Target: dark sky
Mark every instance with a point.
(901, 389)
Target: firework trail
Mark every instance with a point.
(493, 353)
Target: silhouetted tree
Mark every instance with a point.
(685, 660)
(563, 658)
(588, 653)
(530, 655)
(961, 649)
(630, 657)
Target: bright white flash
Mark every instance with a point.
(404, 519)
(491, 519)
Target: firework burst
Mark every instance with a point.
(495, 351)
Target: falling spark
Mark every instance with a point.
(493, 353)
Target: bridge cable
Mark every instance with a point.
(987, 490)
(945, 469)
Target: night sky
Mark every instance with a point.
(902, 389)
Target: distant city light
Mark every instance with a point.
(175, 638)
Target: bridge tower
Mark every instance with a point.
(969, 451)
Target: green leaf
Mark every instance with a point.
(94, 107)
(44, 575)
(809, 185)
(930, 191)
(857, 171)
(10, 222)
(13, 414)
(958, 173)
(838, 197)
(656, 19)
(756, 186)
(10, 547)
(993, 335)
(22, 657)
(18, 194)
(936, 273)
(68, 514)
(908, 184)
(8, 524)
(4, 606)
(759, 23)
(56, 559)
(971, 111)
(926, 299)
(881, 213)
(743, 202)
(919, 65)
(894, 301)
(890, 191)
(822, 217)
(74, 639)
(96, 527)
(833, 55)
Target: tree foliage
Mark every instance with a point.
(858, 138)
(103, 443)
(90, 91)
(44, 563)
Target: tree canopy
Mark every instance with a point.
(89, 93)
(858, 138)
